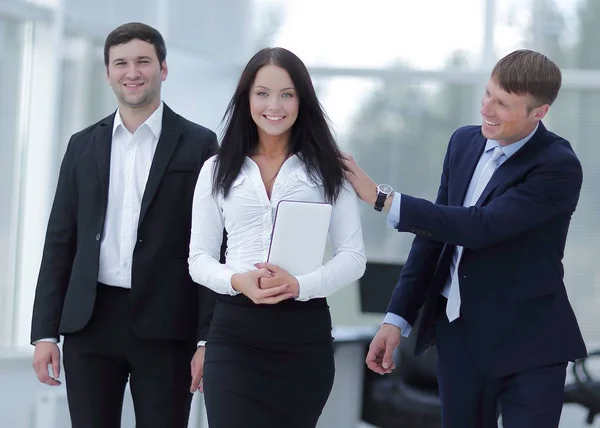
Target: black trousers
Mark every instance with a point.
(472, 399)
(105, 355)
(268, 367)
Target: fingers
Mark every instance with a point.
(277, 299)
(273, 291)
(196, 381)
(41, 370)
(388, 356)
(268, 283)
(379, 350)
(56, 365)
(347, 157)
(269, 266)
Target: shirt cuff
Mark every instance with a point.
(48, 339)
(398, 321)
(224, 280)
(393, 217)
(201, 343)
(307, 284)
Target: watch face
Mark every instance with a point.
(385, 189)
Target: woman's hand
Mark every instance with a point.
(249, 284)
(278, 277)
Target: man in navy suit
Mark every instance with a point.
(485, 268)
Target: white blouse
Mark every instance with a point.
(247, 214)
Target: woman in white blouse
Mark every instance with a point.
(269, 355)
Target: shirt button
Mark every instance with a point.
(97, 237)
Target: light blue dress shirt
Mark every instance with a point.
(393, 217)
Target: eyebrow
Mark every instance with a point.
(137, 58)
(284, 89)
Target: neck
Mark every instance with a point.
(272, 146)
(133, 117)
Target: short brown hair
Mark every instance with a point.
(135, 30)
(526, 72)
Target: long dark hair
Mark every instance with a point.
(310, 137)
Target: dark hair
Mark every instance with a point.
(136, 30)
(525, 72)
(311, 136)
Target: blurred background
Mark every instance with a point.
(396, 77)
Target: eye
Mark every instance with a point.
(286, 95)
(262, 94)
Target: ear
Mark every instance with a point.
(164, 71)
(541, 111)
(107, 75)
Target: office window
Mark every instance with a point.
(11, 41)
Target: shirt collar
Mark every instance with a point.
(154, 122)
(511, 149)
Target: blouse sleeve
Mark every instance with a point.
(207, 236)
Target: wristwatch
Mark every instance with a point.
(383, 191)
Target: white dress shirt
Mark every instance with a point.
(247, 214)
(130, 160)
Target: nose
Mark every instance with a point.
(132, 71)
(274, 103)
(485, 107)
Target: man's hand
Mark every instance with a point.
(248, 284)
(362, 183)
(197, 367)
(379, 358)
(47, 353)
(278, 277)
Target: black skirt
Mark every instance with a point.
(268, 366)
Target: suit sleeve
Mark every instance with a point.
(207, 297)
(57, 257)
(551, 189)
(409, 294)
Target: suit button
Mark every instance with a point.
(97, 237)
(140, 240)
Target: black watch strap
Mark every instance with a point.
(381, 197)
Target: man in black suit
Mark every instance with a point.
(114, 276)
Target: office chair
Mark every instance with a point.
(584, 391)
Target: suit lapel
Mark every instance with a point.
(169, 137)
(102, 147)
(511, 166)
(466, 168)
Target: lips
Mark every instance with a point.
(273, 119)
(133, 85)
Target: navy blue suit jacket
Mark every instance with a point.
(514, 304)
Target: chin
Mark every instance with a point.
(274, 132)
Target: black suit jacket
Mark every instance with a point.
(165, 302)
(514, 303)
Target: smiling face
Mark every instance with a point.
(273, 102)
(135, 74)
(508, 117)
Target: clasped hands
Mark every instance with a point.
(268, 284)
